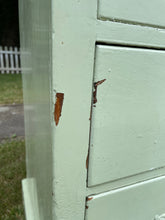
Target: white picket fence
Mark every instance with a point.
(10, 60)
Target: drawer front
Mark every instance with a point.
(128, 120)
(149, 12)
(143, 201)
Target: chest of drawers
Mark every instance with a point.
(94, 100)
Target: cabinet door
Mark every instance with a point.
(148, 12)
(143, 201)
(128, 119)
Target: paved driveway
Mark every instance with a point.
(11, 121)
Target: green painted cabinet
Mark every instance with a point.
(128, 120)
(138, 201)
(94, 101)
(138, 12)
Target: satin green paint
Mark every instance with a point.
(35, 28)
(138, 12)
(30, 199)
(128, 122)
(142, 201)
(58, 40)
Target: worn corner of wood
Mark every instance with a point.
(58, 107)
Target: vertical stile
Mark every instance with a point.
(1, 60)
(11, 60)
(6, 56)
(16, 59)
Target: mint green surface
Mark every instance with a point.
(30, 199)
(142, 201)
(35, 47)
(58, 44)
(128, 122)
(148, 12)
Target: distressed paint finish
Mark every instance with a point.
(58, 107)
(58, 41)
(141, 201)
(73, 55)
(128, 122)
(147, 13)
(96, 84)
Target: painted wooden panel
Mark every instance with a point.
(36, 71)
(149, 12)
(58, 43)
(142, 201)
(128, 119)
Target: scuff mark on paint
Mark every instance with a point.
(95, 90)
(58, 107)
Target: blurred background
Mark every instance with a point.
(9, 35)
(12, 145)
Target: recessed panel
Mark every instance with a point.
(149, 12)
(128, 115)
(143, 201)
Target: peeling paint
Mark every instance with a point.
(89, 198)
(95, 95)
(58, 107)
(95, 90)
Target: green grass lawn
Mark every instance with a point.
(10, 88)
(12, 155)
(12, 171)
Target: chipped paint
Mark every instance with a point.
(86, 207)
(89, 198)
(95, 90)
(58, 107)
(87, 161)
(95, 95)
